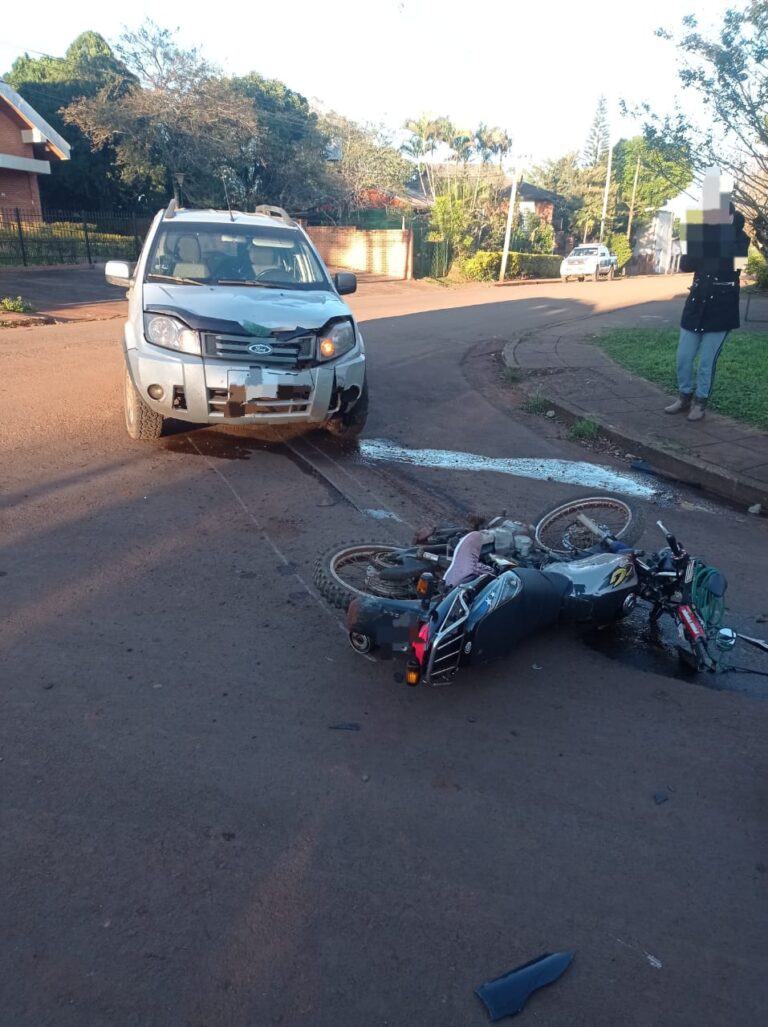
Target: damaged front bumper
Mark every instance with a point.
(206, 392)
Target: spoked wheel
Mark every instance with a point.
(355, 570)
(560, 532)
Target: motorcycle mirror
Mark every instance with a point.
(726, 639)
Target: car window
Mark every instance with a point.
(235, 253)
(584, 251)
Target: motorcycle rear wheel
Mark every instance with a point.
(343, 573)
(560, 533)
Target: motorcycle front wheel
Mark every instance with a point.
(560, 532)
(353, 570)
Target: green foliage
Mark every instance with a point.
(484, 266)
(596, 147)
(368, 162)
(757, 267)
(619, 245)
(583, 430)
(90, 180)
(729, 71)
(741, 383)
(536, 403)
(16, 305)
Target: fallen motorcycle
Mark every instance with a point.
(459, 597)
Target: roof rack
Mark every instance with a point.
(275, 212)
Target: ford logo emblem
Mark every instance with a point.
(260, 347)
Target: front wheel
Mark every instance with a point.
(560, 532)
(348, 426)
(141, 422)
(596, 275)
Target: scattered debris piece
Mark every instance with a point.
(536, 666)
(550, 413)
(344, 726)
(228, 836)
(471, 720)
(756, 508)
(366, 777)
(660, 797)
(506, 995)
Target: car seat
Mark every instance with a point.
(189, 262)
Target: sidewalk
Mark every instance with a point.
(722, 456)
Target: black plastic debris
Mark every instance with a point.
(506, 995)
(344, 726)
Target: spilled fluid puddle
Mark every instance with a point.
(571, 472)
(633, 643)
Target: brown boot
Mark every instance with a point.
(697, 409)
(681, 405)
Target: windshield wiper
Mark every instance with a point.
(252, 282)
(174, 278)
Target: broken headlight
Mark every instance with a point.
(169, 333)
(336, 341)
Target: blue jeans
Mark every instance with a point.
(708, 345)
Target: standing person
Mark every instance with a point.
(711, 311)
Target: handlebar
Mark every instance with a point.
(672, 542)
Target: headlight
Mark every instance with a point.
(338, 340)
(170, 334)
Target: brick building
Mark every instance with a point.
(28, 144)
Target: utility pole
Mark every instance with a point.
(632, 202)
(607, 190)
(516, 177)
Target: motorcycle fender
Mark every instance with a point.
(388, 622)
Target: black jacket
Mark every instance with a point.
(713, 299)
(713, 303)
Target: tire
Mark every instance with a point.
(141, 423)
(564, 279)
(625, 520)
(596, 275)
(581, 278)
(348, 427)
(611, 274)
(326, 574)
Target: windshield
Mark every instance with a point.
(235, 254)
(584, 251)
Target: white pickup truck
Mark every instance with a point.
(590, 260)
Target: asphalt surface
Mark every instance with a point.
(189, 841)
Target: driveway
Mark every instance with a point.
(216, 813)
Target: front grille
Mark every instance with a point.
(286, 355)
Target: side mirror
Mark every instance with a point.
(120, 273)
(345, 282)
(726, 639)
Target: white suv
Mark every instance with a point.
(233, 318)
(590, 260)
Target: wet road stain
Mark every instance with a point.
(566, 471)
(634, 644)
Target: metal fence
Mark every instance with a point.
(29, 238)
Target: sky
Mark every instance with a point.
(536, 70)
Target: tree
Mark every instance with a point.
(177, 116)
(284, 162)
(88, 181)
(368, 162)
(729, 71)
(598, 140)
(647, 178)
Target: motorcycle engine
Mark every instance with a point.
(511, 538)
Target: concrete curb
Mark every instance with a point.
(668, 463)
(10, 320)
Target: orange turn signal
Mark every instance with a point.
(412, 675)
(327, 348)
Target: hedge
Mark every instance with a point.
(485, 265)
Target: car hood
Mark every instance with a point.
(247, 306)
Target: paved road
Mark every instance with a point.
(188, 843)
